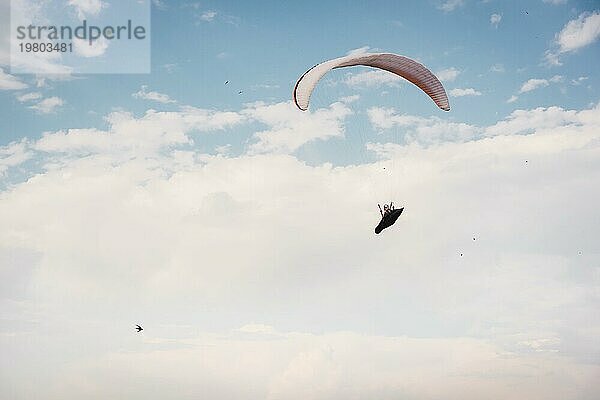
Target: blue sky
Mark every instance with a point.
(271, 43)
(238, 230)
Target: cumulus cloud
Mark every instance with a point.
(433, 130)
(208, 16)
(286, 129)
(25, 13)
(464, 92)
(536, 83)
(448, 74)
(29, 97)
(451, 5)
(497, 68)
(576, 34)
(542, 120)
(144, 94)
(350, 99)
(159, 4)
(170, 68)
(425, 131)
(289, 129)
(9, 82)
(360, 50)
(533, 84)
(48, 105)
(512, 99)
(143, 136)
(579, 81)
(13, 154)
(372, 78)
(251, 269)
(299, 365)
(495, 20)
(96, 48)
(86, 8)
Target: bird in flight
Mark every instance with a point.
(138, 328)
(226, 82)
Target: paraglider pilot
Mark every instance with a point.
(386, 209)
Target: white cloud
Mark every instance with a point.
(533, 84)
(208, 16)
(232, 20)
(225, 149)
(265, 86)
(372, 78)
(86, 8)
(544, 120)
(350, 99)
(48, 105)
(448, 74)
(263, 242)
(290, 129)
(360, 50)
(13, 154)
(451, 5)
(25, 13)
(170, 68)
(555, 2)
(497, 68)
(512, 99)
(433, 130)
(9, 82)
(575, 35)
(86, 49)
(536, 83)
(146, 135)
(257, 328)
(144, 94)
(579, 81)
(464, 92)
(580, 32)
(495, 20)
(29, 97)
(338, 365)
(159, 4)
(425, 131)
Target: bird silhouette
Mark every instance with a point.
(226, 82)
(240, 92)
(138, 328)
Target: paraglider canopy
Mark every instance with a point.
(402, 66)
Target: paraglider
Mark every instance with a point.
(402, 66)
(389, 215)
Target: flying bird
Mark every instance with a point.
(240, 92)
(138, 328)
(226, 82)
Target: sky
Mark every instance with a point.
(238, 230)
